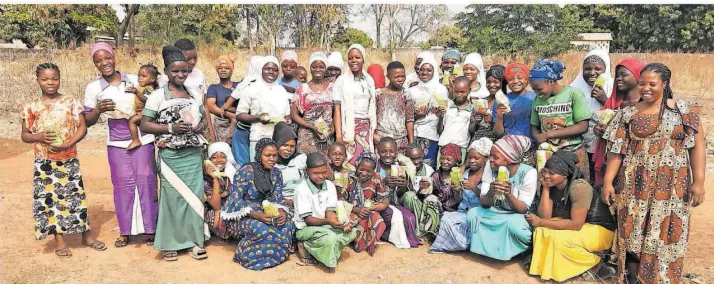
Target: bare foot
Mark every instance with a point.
(134, 144)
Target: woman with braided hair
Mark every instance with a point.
(657, 151)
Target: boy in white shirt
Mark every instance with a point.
(320, 234)
(457, 123)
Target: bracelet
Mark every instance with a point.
(223, 115)
(171, 128)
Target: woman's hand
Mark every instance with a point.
(608, 194)
(132, 89)
(533, 219)
(440, 111)
(106, 105)
(363, 212)
(47, 137)
(198, 129)
(282, 217)
(478, 116)
(265, 118)
(697, 194)
(181, 127)
(599, 94)
(501, 110)
(599, 130)
(502, 187)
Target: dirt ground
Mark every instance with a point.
(25, 260)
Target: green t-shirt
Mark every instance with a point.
(559, 111)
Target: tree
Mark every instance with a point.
(164, 24)
(543, 30)
(378, 12)
(406, 21)
(130, 11)
(351, 36)
(316, 25)
(449, 36)
(272, 19)
(60, 26)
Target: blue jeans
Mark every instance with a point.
(241, 146)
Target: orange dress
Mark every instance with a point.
(61, 117)
(653, 195)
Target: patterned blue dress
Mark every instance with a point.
(262, 245)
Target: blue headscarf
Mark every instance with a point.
(547, 69)
(452, 53)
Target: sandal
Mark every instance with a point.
(97, 245)
(63, 252)
(305, 259)
(150, 241)
(198, 253)
(223, 241)
(121, 242)
(170, 256)
(602, 272)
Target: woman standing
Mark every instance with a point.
(312, 107)
(429, 96)
(355, 113)
(55, 124)
(133, 172)
(176, 115)
(657, 151)
(626, 92)
(223, 120)
(241, 136)
(265, 241)
(520, 100)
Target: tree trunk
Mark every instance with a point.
(122, 27)
(132, 33)
(378, 21)
(249, 36)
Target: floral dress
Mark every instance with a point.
(59, 202)
(314, 105)
(654, 201)
(218, 227)
(370, 229)
(394, 111)
(262, 245)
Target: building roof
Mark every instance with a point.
(596, 36)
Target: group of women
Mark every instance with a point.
(429, 157)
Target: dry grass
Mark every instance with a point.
(17, 78)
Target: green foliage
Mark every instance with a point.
(350, 36)
(59, 26)
(449, 36)
(163, 24)
(543, 30)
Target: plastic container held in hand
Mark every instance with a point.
(600, 80)
(342, 215)
(368, 203)
(481, 105)
(427, 190)
(341, 180)
(50, 126)
(456, 176)
(502, 177)
(445, 79)
(604, 116)
(322, 126)
(542, 156)
(207, 164)
(394, 171)
(547, 147)
(501, 99)
(457, 70)
(187, 116)
(269, 209)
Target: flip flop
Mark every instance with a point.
(198, 253)
(121, 242)
(170, 256)
(63, 252)
(97, 245)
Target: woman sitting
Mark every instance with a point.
(498, 228)
(567, 233)
(266, 241)
(290, 163)
(453, 229)
(217, 179)
(368, 198)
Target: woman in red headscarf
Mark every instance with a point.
(377, 73)
(625, 93)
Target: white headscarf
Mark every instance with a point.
(289, 55)
(482, 146)
(335, 60)
(475, 59)
(426, 94)
(266, 60)
(317, 56)
(223, 147)
(581, 84)
(414, 76)
(346, 84)
(428, 58)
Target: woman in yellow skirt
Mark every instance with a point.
(572, 224)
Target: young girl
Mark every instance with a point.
(55, 124)
(217, 180)
(369, 197)
(148, 82)
(395, 109)
(495, 82)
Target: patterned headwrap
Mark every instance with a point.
(593, 58)
(261, 175)
(366, 155)
(547, 69)
(101, 46)
(451, 53)
(452, 150)
(515, 69)
(482, 146)
(225, 59)
(513, 147)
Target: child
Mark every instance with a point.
(423, 170)
(301, 74)
(395, 109)
(340, 167)
(449, 194)
(459, 121)
(288, 64)
(495, 83)
(55, 124)
(369, 198)
(321, 232)
(148, 82)
(217, 180)
(425, 207)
